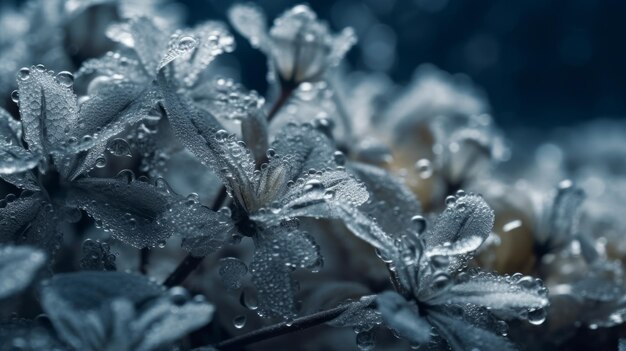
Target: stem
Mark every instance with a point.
(190, 263)
(272, 331)
(144, 259)
(285, 94)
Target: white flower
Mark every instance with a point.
(299, 46)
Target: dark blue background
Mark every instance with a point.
(542, 63)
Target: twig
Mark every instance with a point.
(272, 331)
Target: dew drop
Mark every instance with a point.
(15, 96)
(424, 168)
(23, 74)
(186, 43)
(450, 200)
(161, 244)
(340, 158)
(248, 299)
(65, 78)
(101, 162)
(40, 67)
(221, 135)
(119, 147)
(419, 223)
(365, 341)
(537, 316)
(239, 321)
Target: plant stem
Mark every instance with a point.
(285, 94)
(190, 263)
(272, 331)
(144, 259)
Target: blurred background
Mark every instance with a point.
(541, 63)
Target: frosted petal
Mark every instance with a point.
(48, 108)
(212, 39)
(18, 266)
(461, 228)
(97, 256)
(505, 296)
(130, 210)
(462, 335)
(390, 202)
(560, 221)
(164, 322)
(307, 147)
(279, 250)
(249, 20)
(87, 290)
(216, 149)
(232, 270)
(203, 231)
(29, 220)
(402, 317)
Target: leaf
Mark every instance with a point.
(29, 335)
(29, 220)
(402, 317)
(87, 290)
(506, 296)
(130, 210)
(461, 228)
(48, 108)
(232, 270)
(164, 322)
(111, 310)
(278, 250)
(390, 201)
(462, 335)
(18, 266)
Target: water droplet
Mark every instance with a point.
(537, 316)
(178, 295)
(424, 168)
(441, 281)
(221, 135)
(161, 244)
(40, 67)
(15, 96)
(248, 299)
(101, 162)
(65, 78)
(270, 153)
(365, 341)
(186, 43)
(450, 200)
(340, 158)
(419, 223)
(329, 195)
(239, 321)
(23, 74)
(119, 147)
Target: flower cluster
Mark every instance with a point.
(152, 202)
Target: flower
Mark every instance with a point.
(300, 48)
(463, 308)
